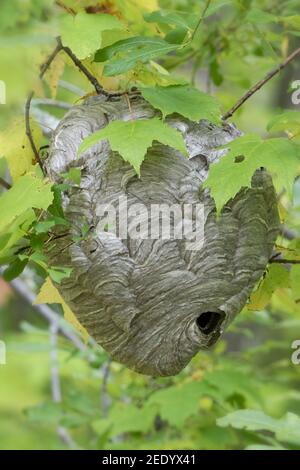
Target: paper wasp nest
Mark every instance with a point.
(153, 303)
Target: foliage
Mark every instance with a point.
(247, 154)
(139, 137)
(195, 62)
(189, 102)
(83, 33)
(49, 295)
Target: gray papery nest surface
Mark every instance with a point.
(154, 303)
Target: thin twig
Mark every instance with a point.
(22, 289)
(65, 7)
(47, 121)
(105, 399)
(50, 102)
(99, 89)
(55, 383)
(5, 184)
(284, 261)
(45, 66)
(29, 132)
(43, 70)
(71, 87)
(260, 84)
(206, 6)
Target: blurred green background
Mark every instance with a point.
(104, 405)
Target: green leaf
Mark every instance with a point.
(129, 418)
(44, 226)
(264, 447)
(258, 16)
(48, 413)
(74, 174)
(177, 403)
(289, 122)
(215, 73)
(276, 277)
(185, 100)
(215, 6)
(230, 382)
(171, 17)
(4, 238)
(17, 230)
(293, 21)
(226, 177)
(176, 36)
(83, 33)
(252, 420)
(27, 192)
(130, 51)
(131, 139)
(59, 273)
(286, 429)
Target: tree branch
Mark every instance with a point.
(22, 289)
(71, 87)
(105, 399)
(55, 383)
(284, 261)
(44, 67)
(206, 6)
(260, 84)
(50, 102)
(5, 184)
(93, 80)
(47, 121)
(43, 70)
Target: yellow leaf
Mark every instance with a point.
(50, 295)
(149, 5)
(15, 147)
(54, 73)
(133, 12)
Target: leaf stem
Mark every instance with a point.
(260, 84)
(206, 6)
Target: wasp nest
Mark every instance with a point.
(154, 303)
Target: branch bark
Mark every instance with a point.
(99, 89)
(43, 70)
(260, 84)
(284, 261)
(44, 67)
